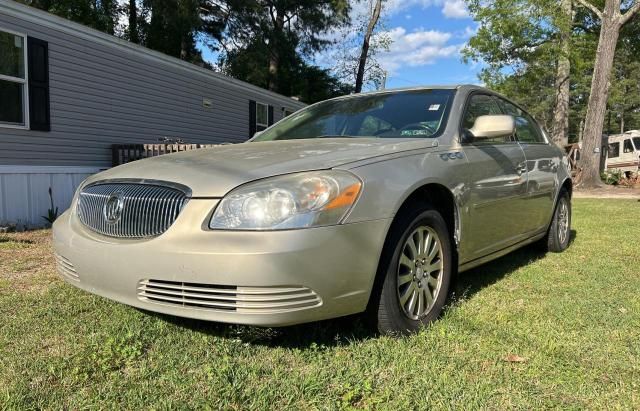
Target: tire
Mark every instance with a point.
(559, 233)
(414, 287)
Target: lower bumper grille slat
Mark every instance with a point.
(66, 268)
(228, 298)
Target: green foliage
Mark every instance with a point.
(52, 213)
(613, 177)
(99, 14)
(268, 43)
(518, 42)
(265, 42)
(348, 50)
(295, 78)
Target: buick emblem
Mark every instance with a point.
(112, 209)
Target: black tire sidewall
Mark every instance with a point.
(553, 242)
(391, 317)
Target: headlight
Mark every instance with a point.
(300, 200)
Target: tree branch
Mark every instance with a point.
(594, 9)
(633, 10)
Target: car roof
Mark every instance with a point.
(467, 87)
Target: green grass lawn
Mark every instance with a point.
(526, 331)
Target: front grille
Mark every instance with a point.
(129, 209)
(65, 268)
(257, 300)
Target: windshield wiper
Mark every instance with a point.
(333, 136)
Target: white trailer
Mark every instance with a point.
(623, 152)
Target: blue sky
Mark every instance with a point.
(427, 37)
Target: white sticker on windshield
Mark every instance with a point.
(434, 107)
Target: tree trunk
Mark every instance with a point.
(362, 63)
(133, 22)
(274, 57)
(273, 71)
(622, 122)
(594, 121)
(183, 48)
(560, 127)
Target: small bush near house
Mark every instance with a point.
(52, 213)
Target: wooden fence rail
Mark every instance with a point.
(125, 153)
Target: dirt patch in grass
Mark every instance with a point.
(26, 261)
(608, 192)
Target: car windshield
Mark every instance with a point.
(405, 114)
(636, 142)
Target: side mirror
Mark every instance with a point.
(493, 126)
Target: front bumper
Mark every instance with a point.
(260, 278)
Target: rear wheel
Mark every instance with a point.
(558, 236)
(417, 273)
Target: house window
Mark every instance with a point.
(13, 80)
(614, 150)
(262, 116)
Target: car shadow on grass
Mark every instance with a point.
(468, 283)
(355, 328)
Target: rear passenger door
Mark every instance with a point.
(543, 160)
(497, 179)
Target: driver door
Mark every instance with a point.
(497, 181)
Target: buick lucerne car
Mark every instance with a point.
(363, 203)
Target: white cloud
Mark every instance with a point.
(455, 9)
(417, 48)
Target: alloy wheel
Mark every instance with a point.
(420, 272)
(563, 221)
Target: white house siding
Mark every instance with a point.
(24, 191)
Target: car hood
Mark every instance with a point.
(212, 172)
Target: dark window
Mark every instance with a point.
(482, 105)
(628, 147)
(11, 103)
(479, 105)
(527, 130)
(13, 80)
(614, 150)
(262, 116)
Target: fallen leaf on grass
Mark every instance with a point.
(622, 310)
(514, 358)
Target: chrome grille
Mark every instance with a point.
(130, 209)
(258, 300)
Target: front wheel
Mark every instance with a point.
(559, 233)
(417, 274)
